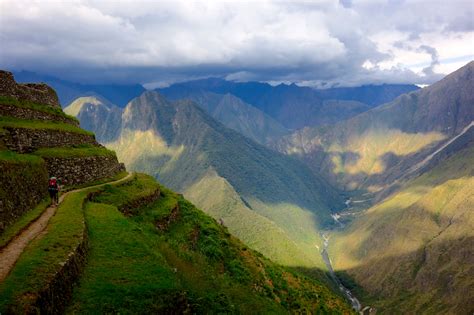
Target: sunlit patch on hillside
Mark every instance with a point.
(216, 196)
(135, 144)
(370, 152)
(406, 222)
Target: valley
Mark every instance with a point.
(348, 183)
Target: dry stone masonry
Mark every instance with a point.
(22, 187)
(27, 113)
(22, 184)
(24, 140)
(80, 170)
(37, 93)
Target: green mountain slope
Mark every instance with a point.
(375, 148)
(183, 147)
(234, 113)
(413, 252)
(167, 256)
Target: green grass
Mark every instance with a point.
(42, 257)
(23, 222)
(214, 271)
(38, 124)
(68, 152)
(132, 267)
(124, 274)
(37, 107)
(141, 185)
(12, 157)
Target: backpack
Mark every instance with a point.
(53, 184)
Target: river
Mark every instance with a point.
(347, 293)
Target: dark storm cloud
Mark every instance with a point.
(321, 42)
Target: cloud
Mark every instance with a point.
(311, 42)
(434, 59)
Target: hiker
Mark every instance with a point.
(53, 189)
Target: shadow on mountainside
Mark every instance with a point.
(434, 279)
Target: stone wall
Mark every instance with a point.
(54, 298)
(27, 113)
(80, 170)
(22, 187)
(24, 140)
(37, 93)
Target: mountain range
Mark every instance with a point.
(295, 106)
(372, 150)
(290, 106)
(271, 201)
(388, 186)
(234, 113)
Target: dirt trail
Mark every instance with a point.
(10, 253)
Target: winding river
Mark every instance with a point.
(347, 293)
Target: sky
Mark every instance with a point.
(313, 43)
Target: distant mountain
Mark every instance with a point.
(233, 113)
(373, 149)
(373, 95)
(97, 114)
(68, 91)
(296, 107)
(271, 201)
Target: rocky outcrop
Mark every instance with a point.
(80, 170)
(22, 187)
(25, 140)
(27, 113)
(37, 93)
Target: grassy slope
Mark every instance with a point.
(124, 274)
(12, 157)
(224, 203)
(67, 152)
(36, 124)
(194, 265)
(411, 252)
